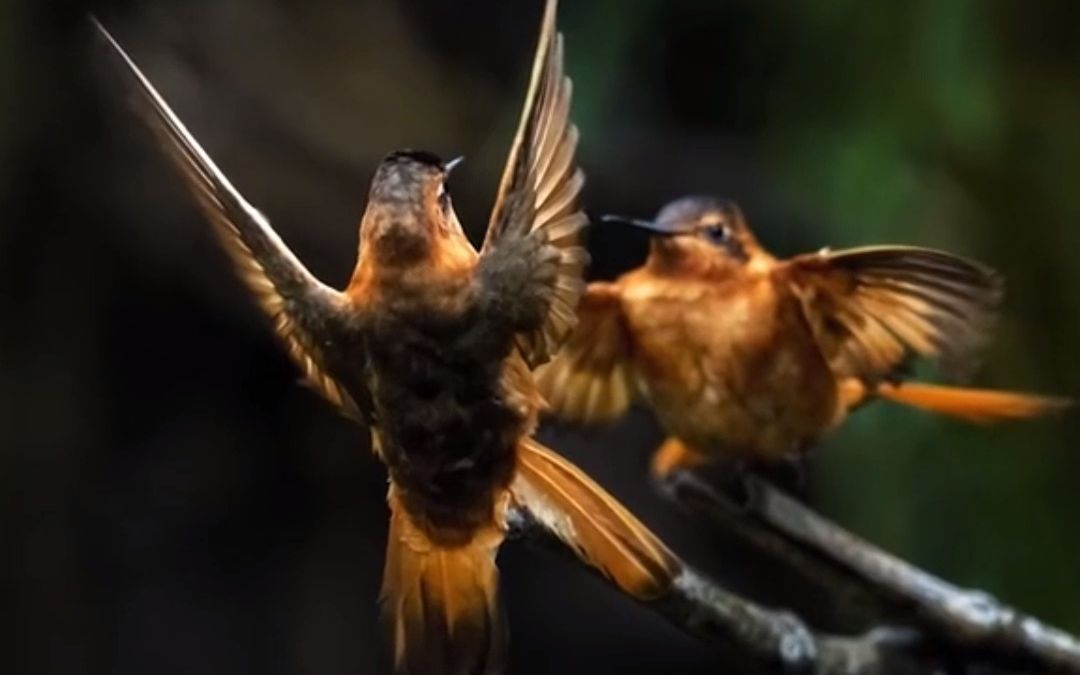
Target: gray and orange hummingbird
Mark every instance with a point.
(431, 345)
(748, 357)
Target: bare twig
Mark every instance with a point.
(971, 624)
(771, 639)
(782, 641)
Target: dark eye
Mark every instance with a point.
(717, 234)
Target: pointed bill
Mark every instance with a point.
(655, 226)
(297, 303)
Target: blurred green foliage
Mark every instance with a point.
(167, 482)
(953, 124)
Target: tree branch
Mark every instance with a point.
(974, 626)
(755, 635)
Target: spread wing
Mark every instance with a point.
(591, 379)
(873, 307)
(533, 248)
(299, 305)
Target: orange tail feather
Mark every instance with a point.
(983, 406)
(441, 602)
(602, 532)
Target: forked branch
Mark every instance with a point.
(971, 626)
(941, 628)
(769, 639)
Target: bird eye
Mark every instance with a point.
(717, 234)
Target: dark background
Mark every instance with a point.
(172, 502)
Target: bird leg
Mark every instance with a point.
(673, 455)
(737, 477)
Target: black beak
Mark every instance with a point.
(657, 227)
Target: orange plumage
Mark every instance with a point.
(432, 346)
(743, 355)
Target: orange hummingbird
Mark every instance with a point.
(745, 356)
(431, 346)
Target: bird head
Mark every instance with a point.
(409, 208)
(693, 233)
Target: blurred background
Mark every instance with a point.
(172, 502)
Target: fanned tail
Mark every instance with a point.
(599, 529)
(441, 602)
(983, 406)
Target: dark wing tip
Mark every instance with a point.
(896, 302)
(986, 285)
(108, 39)
(981, 283)
(96, 23)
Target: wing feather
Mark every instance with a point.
(872, 308)
(538, 199)
(298, 304)
(592, 378)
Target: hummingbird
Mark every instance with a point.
(752, 359)
(431, 347)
